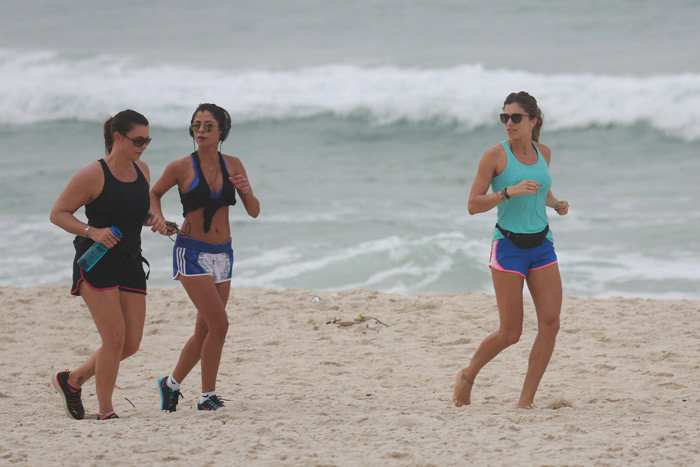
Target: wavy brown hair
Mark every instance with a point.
(529, 104)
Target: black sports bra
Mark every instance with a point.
(200, 194)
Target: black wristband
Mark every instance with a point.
(505, 193)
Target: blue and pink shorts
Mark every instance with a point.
(507, 257)
(197, 258)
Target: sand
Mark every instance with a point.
(622, 387)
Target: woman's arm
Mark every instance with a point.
(562, 207)
(82, 189)
(166, 181)
(242, 184)
(479, 200)
(152, 220)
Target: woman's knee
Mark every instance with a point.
(550, 327)
(113, 342)
(219, 327)
(215, 324)
(510, 336)
(130, 348)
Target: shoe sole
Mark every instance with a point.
(57, 387)
(162, 396)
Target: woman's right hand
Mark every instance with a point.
(104, 236)
(526, 187)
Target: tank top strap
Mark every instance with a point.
(511, 156)
(224, 167)
(109, 176)
(139, 173)
(106, 171)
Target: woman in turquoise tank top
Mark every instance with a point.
(522, 249)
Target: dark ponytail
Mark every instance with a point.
(122, 123)
(529, 104)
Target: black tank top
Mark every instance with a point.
(123, 204)
(201, 196)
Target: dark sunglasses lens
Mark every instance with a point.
(517, 118)
(208, 127)
(504, 118)
(141, 141)
(195, 126)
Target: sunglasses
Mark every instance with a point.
(139, 141)
(208, 126)
(517, 118)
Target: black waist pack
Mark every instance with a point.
(523, 240)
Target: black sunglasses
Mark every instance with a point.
(517, 118)
(139, 141)
(208, 126)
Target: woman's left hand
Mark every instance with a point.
(156, 222)
(562, 208)
(240, 182)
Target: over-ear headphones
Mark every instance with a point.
(220, 114)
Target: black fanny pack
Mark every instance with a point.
(523, 240)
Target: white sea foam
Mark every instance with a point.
(40, 87)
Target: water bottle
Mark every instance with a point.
(96, 252)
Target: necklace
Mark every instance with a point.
(511, 150)
(216, 174)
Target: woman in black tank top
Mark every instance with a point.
(114, 191)
(208, 182)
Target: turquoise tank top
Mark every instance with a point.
(527, 213)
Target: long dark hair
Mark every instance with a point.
(529, 104)
(122, 123)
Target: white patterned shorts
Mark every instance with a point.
(197, 258)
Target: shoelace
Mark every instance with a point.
(215, 401)
(175, 396)
(73, 396)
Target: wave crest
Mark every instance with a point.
(41, 87)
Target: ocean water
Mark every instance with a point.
(361, 125)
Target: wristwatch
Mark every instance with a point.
(86, 230)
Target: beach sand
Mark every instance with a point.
(622, 387)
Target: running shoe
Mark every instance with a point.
(70, 395)
(168, 397)
(211, 403)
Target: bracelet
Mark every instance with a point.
(86, 231)
(505, 193)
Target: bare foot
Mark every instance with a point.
(463, 390)
(525, 405)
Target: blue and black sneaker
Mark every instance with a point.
(168, 397)
(70, 395)
(211, 403)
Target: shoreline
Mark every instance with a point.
(621, 387)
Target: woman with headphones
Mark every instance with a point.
(202, 256)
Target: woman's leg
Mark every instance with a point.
(509, 298)
(207, 342)
(546, 291)
(133, 306)
(106, 311)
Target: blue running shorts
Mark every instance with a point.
(507, 257)
(197, 258)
